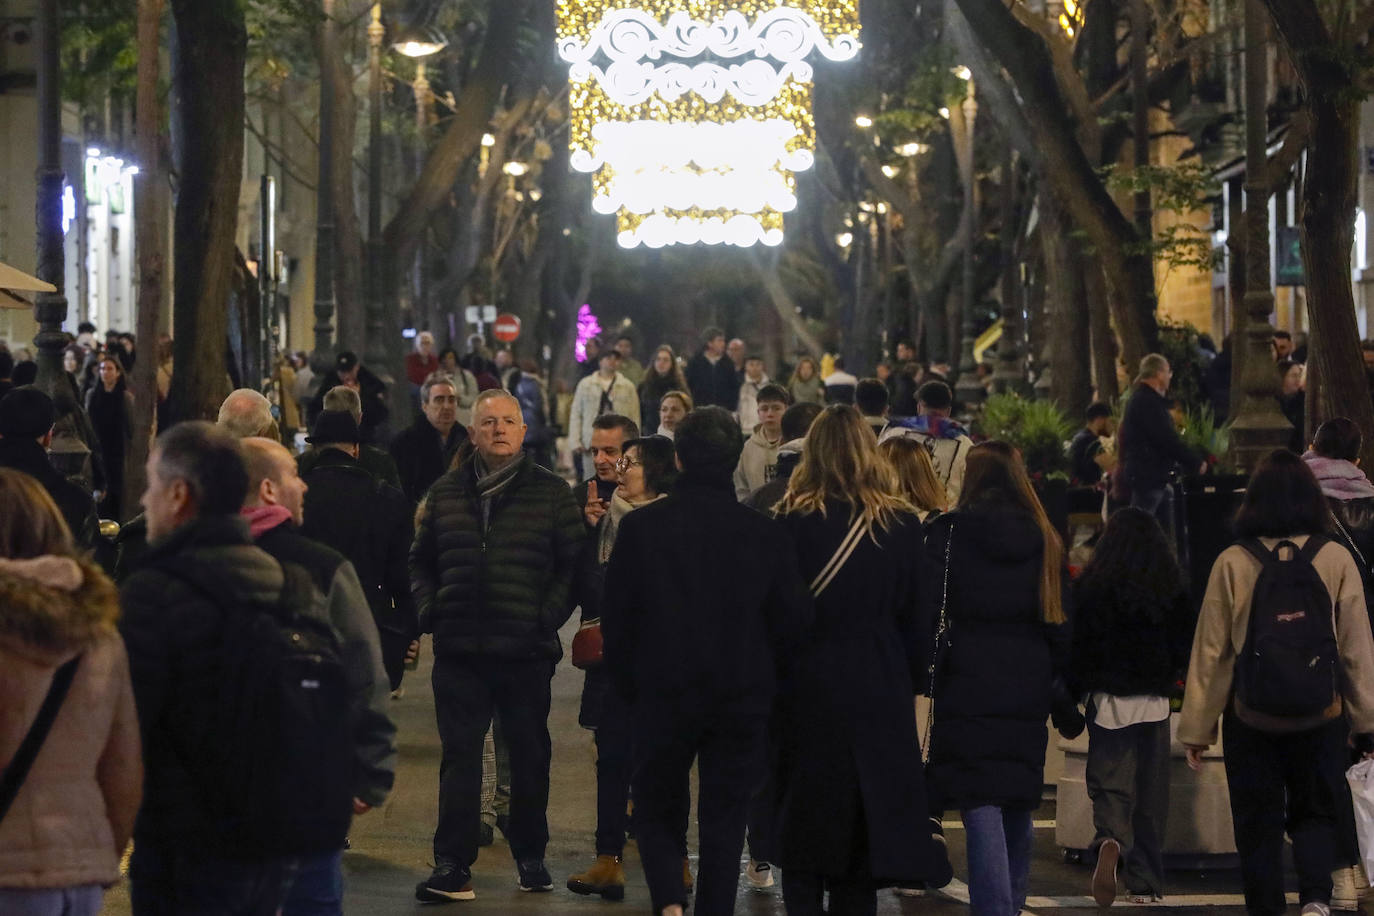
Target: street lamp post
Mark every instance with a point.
(1259, 427)
(50, 309)
(968, 388)
(322, 360)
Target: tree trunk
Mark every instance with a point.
(1326, 212)
(150, 241)
(208, 82)
(350, 309)
(1067, 330)
(1104, 355)
(1071, 176)
(464, 134)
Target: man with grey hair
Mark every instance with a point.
(248, 413)
(1149, 445)
(491, 568)
(372, 459)
(425, 449)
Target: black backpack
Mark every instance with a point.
(1290, 665)
(280, 772)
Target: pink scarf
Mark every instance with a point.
(262, 519)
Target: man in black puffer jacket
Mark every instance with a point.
(492, 568)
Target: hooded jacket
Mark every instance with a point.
(1351, 497)
(995, 672)
(757, 463)
(75, 811)
(947, 442)
(766, 497)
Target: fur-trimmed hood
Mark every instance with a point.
(52, 607)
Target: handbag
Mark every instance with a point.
(941, 632)
(840, 557)
(17, 770)
(587, 645)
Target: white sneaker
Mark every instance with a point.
(760, 875)
(1315, 909)
(1345, 895)
(398, 693)
(1361, 880)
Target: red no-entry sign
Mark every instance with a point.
(507, 327)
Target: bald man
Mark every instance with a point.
(247, 413)
(274, 509)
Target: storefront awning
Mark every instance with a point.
(13, 280)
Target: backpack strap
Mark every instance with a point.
(18, 769)
(1315, 543)
(839, 558)
(1256, 549)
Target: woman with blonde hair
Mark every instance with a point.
(993, 597)
(853, 815)
(64, 828)
(915, 476)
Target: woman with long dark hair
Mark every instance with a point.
(110, 404)
(993, 585)
(1133, 624)
(662, 376)
(853, 815)
(1283, 768)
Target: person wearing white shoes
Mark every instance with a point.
(1286, 725)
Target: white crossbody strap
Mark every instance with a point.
(841, 556)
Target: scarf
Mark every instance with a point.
(262, 519)
(61, 573)
(1339, 479)
(620, 507)
(491, 484)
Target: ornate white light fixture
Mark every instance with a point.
(695, 115)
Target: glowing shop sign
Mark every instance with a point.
(694, 115)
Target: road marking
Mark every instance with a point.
(958, 891)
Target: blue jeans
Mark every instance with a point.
(1160, 504)
(178, 882)
(82, 900)
(999, 851)
(318, 887)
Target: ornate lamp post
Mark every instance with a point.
(968, 388)
(1259, 427)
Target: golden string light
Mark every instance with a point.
(693, 116)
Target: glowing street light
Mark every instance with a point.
(964, 73)
(944, 112)
(912, 149)
(515, 169)
(488, 140)
(890, 171)
(416, 43)
(863, 121)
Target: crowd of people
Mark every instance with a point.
(765, 584)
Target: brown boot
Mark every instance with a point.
(687, 874)
(606, 877)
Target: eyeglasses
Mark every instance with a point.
(626, 462)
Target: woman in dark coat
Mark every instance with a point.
(996, 566)
(1133, 628)
(662, 376)
(110, 406)
(853, 813)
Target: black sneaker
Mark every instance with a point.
(448, 882)
(534, 876)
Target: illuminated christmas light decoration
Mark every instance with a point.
(693, 116)
(587, 328)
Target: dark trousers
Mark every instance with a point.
(466, 692)
(852, 895)
(1262, 769)
(763, 810)
(317, 889)
(394, 646)
(612, 775)
(165, 880)
(1159, 502)
(1128, 782)
(726, 738)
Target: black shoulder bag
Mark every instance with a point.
(17, 770)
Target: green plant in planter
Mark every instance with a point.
(1038, 428)
(1202, 434)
